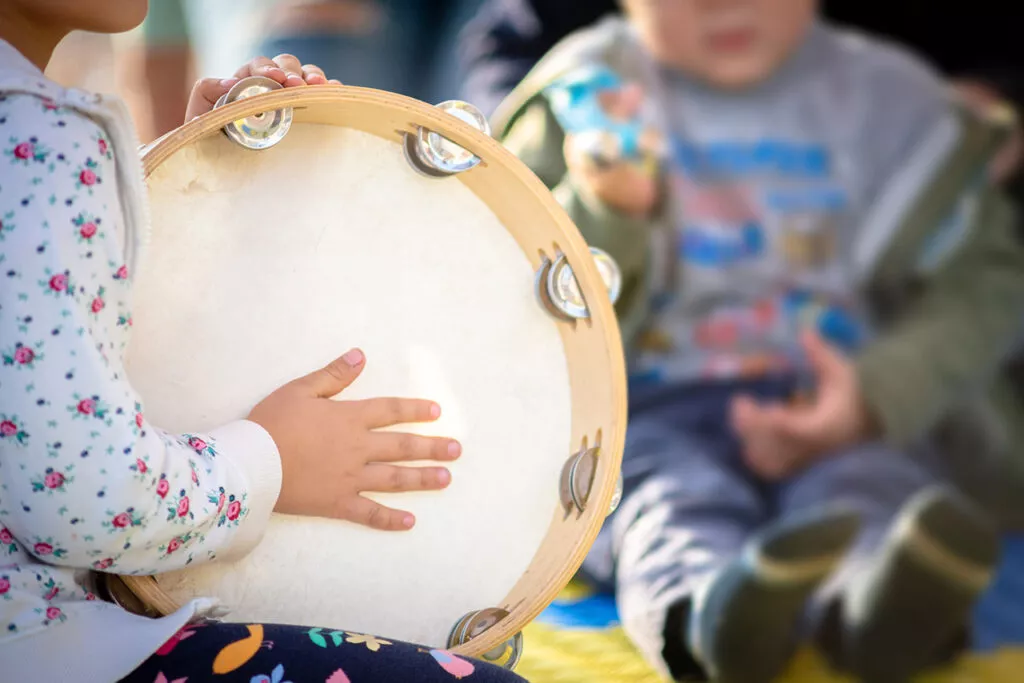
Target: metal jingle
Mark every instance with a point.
(563, 289)
(458, 633)
(508, 654)
(610, 272)
(483, 620)
(616, 496)
(436, 156)
(581, 478)
(258, 131)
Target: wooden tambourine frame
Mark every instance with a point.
(544, 232)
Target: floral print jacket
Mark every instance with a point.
(86, 482)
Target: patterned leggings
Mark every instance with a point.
(263, 653)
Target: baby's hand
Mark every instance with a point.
(285, 69)
(331, 452)
(779, 440)
(624, 185)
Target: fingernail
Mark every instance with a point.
(228, 82)
(444, 476)
(334, 81)
(353, 358)
(316, 78)
(435, 411)
(408, 521)
(454, 448)
(294, 80)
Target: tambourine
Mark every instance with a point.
(292, 224)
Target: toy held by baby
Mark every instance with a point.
(605, 116)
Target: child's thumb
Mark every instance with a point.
(824, 358)
(334, 377)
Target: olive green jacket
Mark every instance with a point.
(946, 326)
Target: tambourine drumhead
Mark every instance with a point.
(263, 265)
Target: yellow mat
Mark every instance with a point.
(557, 651)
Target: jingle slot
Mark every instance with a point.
(559, 290)
(261, 130)
(474, 624)
(434, 155)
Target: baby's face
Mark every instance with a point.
(727, 43)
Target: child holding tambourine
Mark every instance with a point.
(87, 483)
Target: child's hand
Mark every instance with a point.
(285, 69)
(331, 453)
(622, 185)
(779, 439)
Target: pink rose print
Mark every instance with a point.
(6, 537)
(162, 487)
(9, 429)
(197, 444)
(122, 520)
(138, 420)
(50, 105)
(54, 480)
(43, 549)
(97, 305)
(87, 177)
(90, 596)
(86, 406)
(53, 613)
(5, 585)
(141, 465)
(23, 151)
(173, 545)
(103, 146)
(234, 509)
(220, 502)
(52, 593)
(183, 506)
(103, 564)
(122, 273)
(88, 230)
(24, 355)
(195, 478)
(59, 282)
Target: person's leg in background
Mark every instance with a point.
(682, 554)
(904, 595)
(368, 43)
(447, 71)
(262, 653)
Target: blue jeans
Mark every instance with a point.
(689, 504)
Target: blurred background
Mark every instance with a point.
(478, 50)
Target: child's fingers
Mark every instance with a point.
(205, 94)
(263, 66)
(395, 479)
(386, 412)
(313, 75)
(336, 376)
(395, 446)
(292, 68)
(374, 515)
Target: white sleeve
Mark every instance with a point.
(85, 479)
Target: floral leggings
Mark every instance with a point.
(262, 653)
